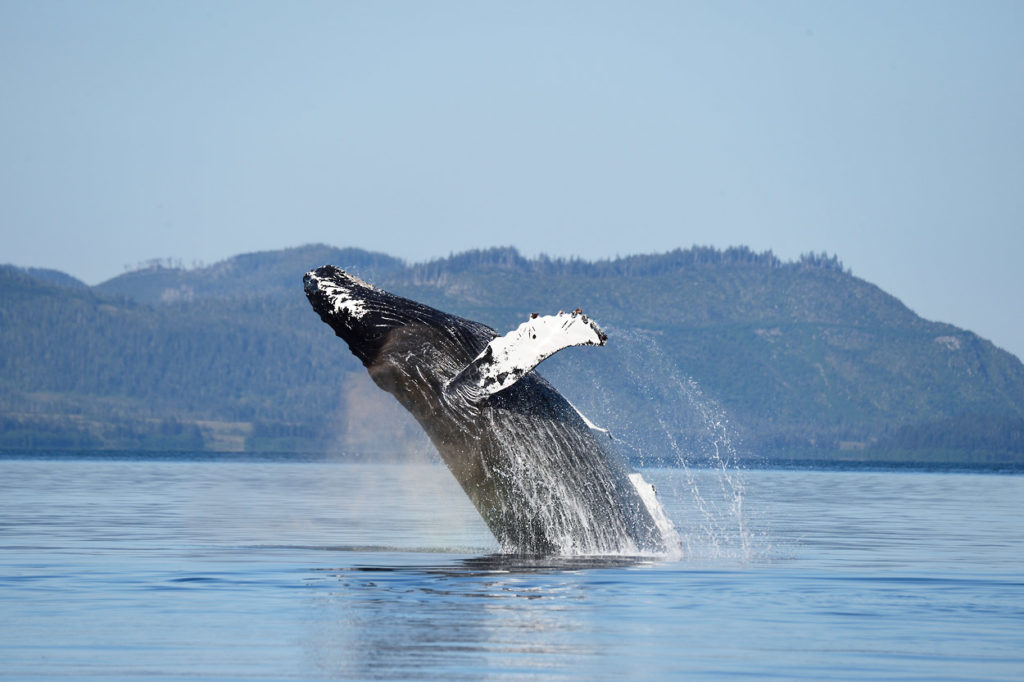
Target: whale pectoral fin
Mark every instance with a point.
(508, 358)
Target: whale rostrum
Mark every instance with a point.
(533, 466)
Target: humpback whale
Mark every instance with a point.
(544, 479)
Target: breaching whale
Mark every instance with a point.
(540, 474)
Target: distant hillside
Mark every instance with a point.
(252, 275)
(49, 276)
(781, 359)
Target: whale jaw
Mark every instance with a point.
(351, 307)
(332, 290)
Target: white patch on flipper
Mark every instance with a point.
(657, 512)
(507, 358)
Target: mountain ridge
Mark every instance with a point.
(800, 357)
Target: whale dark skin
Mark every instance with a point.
(541, 478)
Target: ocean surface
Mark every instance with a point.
(134, 568)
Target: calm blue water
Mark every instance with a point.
(268, 570)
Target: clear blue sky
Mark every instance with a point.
(889, 133)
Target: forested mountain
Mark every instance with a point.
(781, 359)
(252, 275)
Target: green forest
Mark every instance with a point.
(707, 349)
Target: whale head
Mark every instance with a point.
(410, 350)
(377, 324)
(351, 307)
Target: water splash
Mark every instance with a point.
(580, 506)
(685, 445)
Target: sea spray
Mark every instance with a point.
(684, 443)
